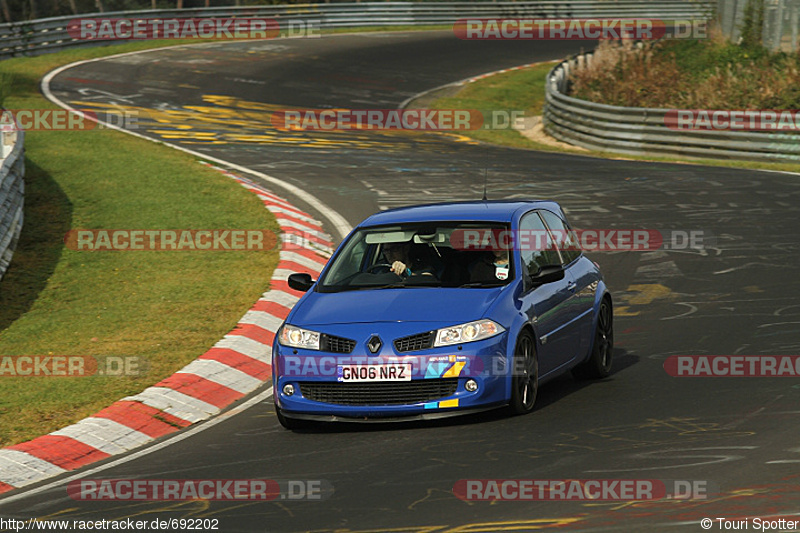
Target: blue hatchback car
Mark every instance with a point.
(443, 309)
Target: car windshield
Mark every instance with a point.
(419, 255)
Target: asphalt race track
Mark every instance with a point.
(737, 295)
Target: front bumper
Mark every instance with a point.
(483, 363)
(388, 419)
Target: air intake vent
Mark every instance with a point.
(420, 341)
(333, 344)
(379, 393)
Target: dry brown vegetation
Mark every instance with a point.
(696, 74)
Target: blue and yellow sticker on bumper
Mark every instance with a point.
(449, 366)
(442, 404)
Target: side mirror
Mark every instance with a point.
(548, 274)
(300, 281)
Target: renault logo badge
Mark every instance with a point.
(374, 344)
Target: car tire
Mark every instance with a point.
(525, 375)
(598, 365)
(288, 423)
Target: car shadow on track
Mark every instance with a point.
(550, 393)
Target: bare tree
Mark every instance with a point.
(6, 10)
(73, 7)
(99, 5)
(179, 4)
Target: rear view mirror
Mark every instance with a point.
(548, 274)
(300, 281)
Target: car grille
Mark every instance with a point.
(379, 393)
(420, 341)
(334, 344)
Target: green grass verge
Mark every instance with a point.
(524, 90)
(519, 90)
(166, 307)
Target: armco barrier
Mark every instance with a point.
(38, 36)
(12, 192)
(643, 131)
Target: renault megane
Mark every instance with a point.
(444, 309)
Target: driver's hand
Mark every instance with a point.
(399, 268)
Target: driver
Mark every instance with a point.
(397, 254)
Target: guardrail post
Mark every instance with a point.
(8, 134)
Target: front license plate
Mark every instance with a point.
(388, 372)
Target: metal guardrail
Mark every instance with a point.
(38, 36)
(643, 131)
(12, 193)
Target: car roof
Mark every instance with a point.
(488, 210)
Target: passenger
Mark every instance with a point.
(491, 266)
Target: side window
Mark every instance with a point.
(565, 238)
(536, 246)
(349, 264)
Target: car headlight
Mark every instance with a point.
(471, 331)
(299, 338)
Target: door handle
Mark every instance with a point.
(571, 287)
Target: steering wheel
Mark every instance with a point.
(376, 266)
